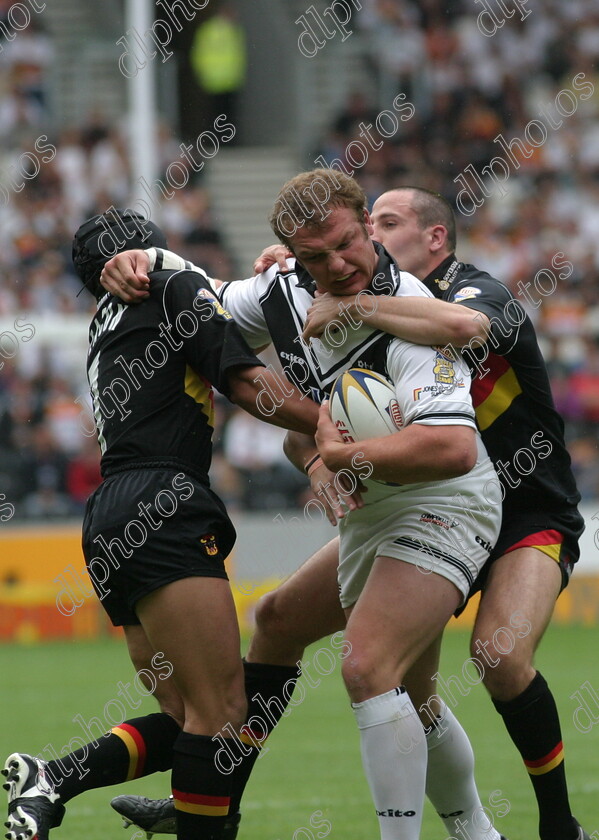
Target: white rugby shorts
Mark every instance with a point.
(446, 528)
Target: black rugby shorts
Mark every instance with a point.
(144, 528)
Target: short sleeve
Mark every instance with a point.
(242, 299)
(163, 260)
(487, 295)
(432, 386)
(208, 334)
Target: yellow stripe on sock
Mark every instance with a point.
(547, 768)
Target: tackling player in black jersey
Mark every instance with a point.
(155, 539)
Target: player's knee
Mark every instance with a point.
(224, 711)
(235, 709)
(272, 619)
(171, 704)
(359, 671)
(504, 668)
(510, 678)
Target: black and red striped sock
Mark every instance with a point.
(135, 748)
(202, 793)
(533, 724)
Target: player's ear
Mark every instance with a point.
(438, 237)
(368, 223)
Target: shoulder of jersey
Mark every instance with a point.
(411, 285)
(274, 270)
(363, 405)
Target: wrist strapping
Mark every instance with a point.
(313, 464)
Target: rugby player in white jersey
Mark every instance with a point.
(342, 259)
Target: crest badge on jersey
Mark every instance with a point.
(208, 543)
(444, 371)
(211, 298)
(446, 380)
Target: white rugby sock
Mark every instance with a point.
(450, 784)
(394, 759)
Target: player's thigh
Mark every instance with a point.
(303, 609)
(193, 622)
(142, 655)
(516, 605)
(399, 614)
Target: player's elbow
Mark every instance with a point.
(468, 326)
(244, 387)
(462, 462)
(461, 456)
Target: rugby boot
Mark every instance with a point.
(33, 807)
(157, 816)
(582, 835)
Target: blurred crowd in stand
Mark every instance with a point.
(466, 87)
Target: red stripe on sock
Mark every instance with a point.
(258, 734)
(141, 748)
(202, 799)
(547, 758)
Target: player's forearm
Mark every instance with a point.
(299, 449)
(421, 320)
(273, 400)
(418, 453)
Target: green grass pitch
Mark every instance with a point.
(313, 761)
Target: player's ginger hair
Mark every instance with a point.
(308, 199)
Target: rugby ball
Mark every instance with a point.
(363, 405)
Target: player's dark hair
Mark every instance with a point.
(101, 237)
(432, 209)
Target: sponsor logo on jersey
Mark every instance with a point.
(466, 293)
(208, 543)
(449, 276)
(435, 390)
(209, 296)
(291, 357)
(441, 521)
(446, 380)
(395, 413)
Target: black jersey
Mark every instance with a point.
(151, 368)
(521, 429)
